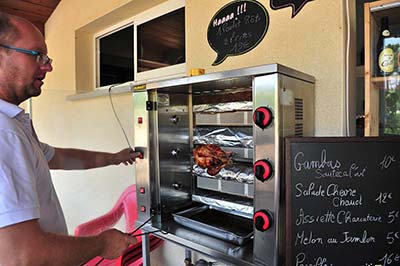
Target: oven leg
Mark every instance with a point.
(146, 249)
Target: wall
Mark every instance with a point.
(312, 42)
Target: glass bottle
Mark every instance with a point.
(385, 54)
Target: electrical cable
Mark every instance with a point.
(133, 235)
(116, 116)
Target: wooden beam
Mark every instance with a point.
(46, 3)
(34, 18)
(19, 5)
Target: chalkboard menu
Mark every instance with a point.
(343, 201)
(237, 28)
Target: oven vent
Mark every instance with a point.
(298, 109)
(298, 130)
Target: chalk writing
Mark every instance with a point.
(301, 164)
(384, 197)
(353, 239)
(387, 161)
(301, 260)
(226, 18)
(237, 28)
(309, 239)
(390, 258)
(320, 191)
(251, 19)
(392, 237)
(343, 201)
(228, 27)
(332, 217)
(393, 216)
(325, 168)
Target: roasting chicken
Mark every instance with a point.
(211, 157)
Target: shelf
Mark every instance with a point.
(374, 111)
(389, 82)
(385, 79)
(118, 89)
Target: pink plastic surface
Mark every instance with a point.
(127, 206)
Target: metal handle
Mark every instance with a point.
(177, 186)
(174, 119)
(175, 152)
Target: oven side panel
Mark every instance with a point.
(297, 118)
(145, 142)
(264, 95)
(292, 102)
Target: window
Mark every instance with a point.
(149, 45)
(161, 41)
(115, 59)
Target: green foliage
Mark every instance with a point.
(392, 111)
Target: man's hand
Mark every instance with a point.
(126, 156)
(115, 243)
(28, 245)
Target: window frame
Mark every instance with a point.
(146, 16)
(106, 32)
(155, 12)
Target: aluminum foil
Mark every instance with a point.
(223, 107)
(229, 207)
(236, 172)
(222, 137)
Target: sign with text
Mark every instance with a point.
(237, 28)
(342, 201)
(296, 5)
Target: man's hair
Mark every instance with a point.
(8, 31)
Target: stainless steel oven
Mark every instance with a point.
(211, 174)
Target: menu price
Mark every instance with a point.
(342, 204)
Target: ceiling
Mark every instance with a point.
(36, 11)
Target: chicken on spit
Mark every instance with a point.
(211, 157)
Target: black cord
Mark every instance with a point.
(116, 116)
(132, 234)
(151, 232)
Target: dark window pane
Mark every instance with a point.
(161, 41)
(116, 57)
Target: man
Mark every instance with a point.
(32, 226)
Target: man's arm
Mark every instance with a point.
(26, 244)
(75, 159)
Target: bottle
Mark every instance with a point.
(385, 54)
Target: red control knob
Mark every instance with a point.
(263, 117)
(263, 170)
(262, 220)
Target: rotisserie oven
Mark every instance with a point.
(211, 174)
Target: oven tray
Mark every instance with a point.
(228, 227)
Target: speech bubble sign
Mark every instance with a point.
(296, 5)
(237, 28)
